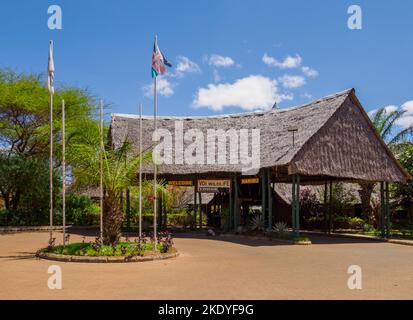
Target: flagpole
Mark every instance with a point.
(51, 168)
(154, 170)
(63, 173)
(140, 171)
(101, 170)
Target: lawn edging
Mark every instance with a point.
(405, 242)
(102, 259)
(268, 238)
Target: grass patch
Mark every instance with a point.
(127, 249)
(289, 236)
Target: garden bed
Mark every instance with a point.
(123, 252)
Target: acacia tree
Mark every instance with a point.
(385, 123)
(24, 135)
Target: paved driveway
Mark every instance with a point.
(210, 268)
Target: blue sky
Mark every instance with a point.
(233, 55)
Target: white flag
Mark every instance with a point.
(50, 69)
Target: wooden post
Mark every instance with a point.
(297, 206)
(382, 211)
(388, 220)
(293, 206)
(330, 213)
(231, 208)
(160, 211)
(200, 210)
(128, 208)
(270, 198)
(195, 203)
(264, 194)
(236, 203)
(325, 207)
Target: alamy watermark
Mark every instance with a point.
(355, 20)
(208, 147)
(55, 280)
(55, 18)
(354, 281)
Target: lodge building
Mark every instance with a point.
(327, 140)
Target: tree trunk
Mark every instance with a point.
(365, 192)
(112, 218)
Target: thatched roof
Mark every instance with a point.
(284, 191)
(335, 138)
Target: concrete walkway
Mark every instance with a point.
(216, 268)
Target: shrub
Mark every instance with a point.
(280, 227)
(309, 204)
(81, 210)
(346, 222)
(257, 223)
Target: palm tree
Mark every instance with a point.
(385, 122)
(119, 173)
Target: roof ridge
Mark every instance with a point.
(235, 115)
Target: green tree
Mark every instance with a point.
(24, 134)
(120, 168)
(385, 123)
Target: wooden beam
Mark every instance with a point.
(326, 203)
(382, 211)
(388, 218)
(270, 198)
(293, 217)
(297, 207)
(200, 210)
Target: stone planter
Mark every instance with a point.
(103, 259)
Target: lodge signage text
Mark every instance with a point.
(213, 186)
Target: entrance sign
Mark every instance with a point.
(250, 180)
(181, 183)
(214, 186)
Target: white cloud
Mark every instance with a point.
(405, 121)
(220, 61)
(308, 96)
(288, 63)
(185, 66)
(163, 87)
(291, 82)
(389, 108)
(217, 77)
(408, 106)
(309, 72)
(249, 93)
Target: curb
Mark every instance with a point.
(11, 229)
(229, 235)
(360, 236)
(86, 259)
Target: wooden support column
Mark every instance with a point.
(231, 207)
(159, 211)
(236, 202)
(326, 203)
(388, 218)
(293, 216)
(200, 210)
(264, 190)
(165, 215)
(382, 211)
(193, 223)
(270, 198)
(297, 205)
(128, 209)
(330, 209)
